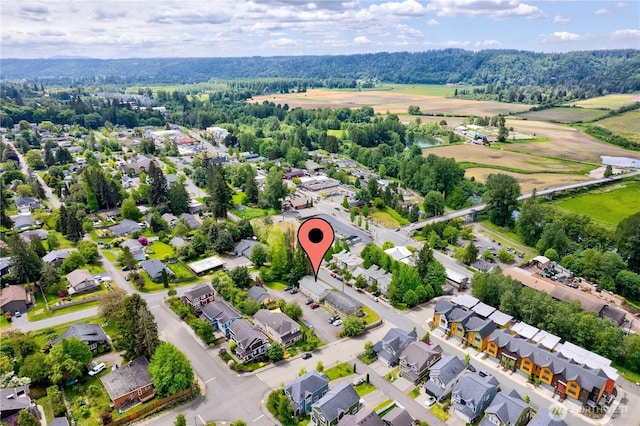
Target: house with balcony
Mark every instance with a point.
(393, 344)
(306, 390)
(478, 332)
(472, 395)
(199, 296)
(506, 409)
(221, 315)
(278, 326)
(443, 376)
(458, 319)
(441, 310)
(416, 359)
(251, 344)
(337, 403)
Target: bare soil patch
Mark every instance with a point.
(609, 101)
(528, 182)
(392, 101)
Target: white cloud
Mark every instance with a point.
(496, 9)
(108, 15)
(189, 17)
(626, 33)
(405, 8)
(52, 33)
(455, 43)
(601, 12)
(432, 22)
(407, 32)
(560, 19)
(619, 4)
(488, 43)
(361, 40)
(281, 42)
(562, 36)
(34, 13)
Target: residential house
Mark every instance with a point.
(80, 281)
(397, 417)
(259, 294)
(139, 165)
(41, 234)
(221, 315)
(305, 390)
(393, 344)
(506, 409)
(441, 310)
(91, 334)
(154, 268)
(315, 290)
(347, 260)
(199, 296)
(416, 359)
(500, 319)
(337, 403)
(465, 301)
(478, 332)
(345, 305)
(59, 421)
(171, 220)
(191, 220)
(472, 395)
(129, 384)
(207, 264)
(56, 257)
(14, 400)
(127, 226)
(458, 319)
(245, 247)
(177, 242)
(399, 253)
(195, 206)
(546, 418)
(443, 376)
(136, 249)
(293, 173)
(483, 310)
(278, 326)
(22, 221)
(564, 376)
(251, 344)
(364, 417)
(27, 204)
(14, 298)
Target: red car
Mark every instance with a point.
(314, 305)
(333, 275)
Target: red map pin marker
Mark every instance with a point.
(315, 236)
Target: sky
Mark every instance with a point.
(221, 28)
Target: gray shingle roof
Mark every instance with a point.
(245, 247)
(154, 268)
(84, 332)
(418, 353)
(199, 291)
(337, 401)
(306, 385)
(443, 307)
(398, 417)
(245, 335)
(277, 321)
(19, 400)
(126, 379)
(59, 421)
(472, 387)
(220, 311)
(54, 255)
(125, 227)
(342, 302)
(508, 406)
(258, 294)
(364, 417)
(545, 418)
(191, 220)
(446, 370)
(481, 326)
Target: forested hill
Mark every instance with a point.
(610, 70)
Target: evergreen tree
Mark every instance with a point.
(219, 191)
(250, 186)
(25, 263)
(138, 330)
(158, 192)
(61, 223)
(178, 198)
(275, 189)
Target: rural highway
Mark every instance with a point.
(480, 207)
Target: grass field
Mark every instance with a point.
(626, 125)
(388, 218)
(276, 285)
(608, 101)
(160, 250)
(371, 315)
(565, 115)
(436, 410)
(340, 370)
(527, 181)
(609, 205)
(364, 388)
(395, 101)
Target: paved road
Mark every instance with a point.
(464, 212)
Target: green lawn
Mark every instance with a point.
(392, 374)
(248, 212)
(436, 410)
(371, 316)
(388, 218)
(608, 205)
(88, 400)
(180, 270)
(415, 392)
(46, 406)
(382, 405)
(364, 388)
(631, 376)
(3, 322)
(160, 250)
(340, 370)
(111, 257)
(95, 269)
(276, 285)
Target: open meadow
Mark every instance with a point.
(626, 125)
(565, 115)
(393, 101)
(609, 205)
(609, 101)
(528, 182)
(564, 142)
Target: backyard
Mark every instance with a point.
(338, 371)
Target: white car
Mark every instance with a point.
(337, 322)
(374, 298)
(430, 401)
(97, 369)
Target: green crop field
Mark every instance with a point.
(609, 101)
(565, 115)
(626, 125)
(422, 89)
(608, 205)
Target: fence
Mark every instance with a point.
(73, 303)
(151, 408)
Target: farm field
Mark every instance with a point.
(626, 125)
(565, 115)
(528, 182)
(564, 142)
(609, 205)
(387, 100)
(609, 101)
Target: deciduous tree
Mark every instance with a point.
(170, 370)
(502, 198)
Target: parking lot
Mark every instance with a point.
(316, 317)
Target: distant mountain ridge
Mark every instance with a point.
(610, 70)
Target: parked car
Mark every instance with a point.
(306, 355)
(333, 318)
(288, 288)
(360, 380)
(337, 322)
(430, 401)
(374, 298)
(294, 291)
(18, 314)
(339, 278)
(98, 368)
(314, 306)
(471, 368)
(333, 275)
(308, 302)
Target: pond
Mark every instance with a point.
(426, 143)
